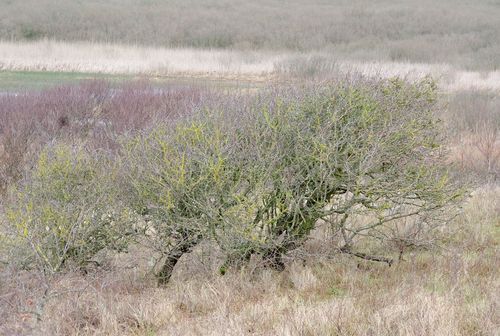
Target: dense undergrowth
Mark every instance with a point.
(254, 175)
(92, 174)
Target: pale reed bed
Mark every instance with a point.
(89, 57)
(121, 59)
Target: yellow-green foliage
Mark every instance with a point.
(62, 212)
(260, 185)
(256, 179)
(178, 179)
(370, 147)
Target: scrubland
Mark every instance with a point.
(353, 191)
(441, 280)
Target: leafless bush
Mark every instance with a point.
(92, 112)
(470, 111)
(473, 119)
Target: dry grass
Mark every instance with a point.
(452, 292)
(473, 122)
(86, 57)
(121, 59)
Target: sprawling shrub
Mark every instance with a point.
(363, 149)
(178, 180)
(258, 178)
(255, 177)
(64, 211)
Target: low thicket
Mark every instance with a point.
(94, 112)
(179, 181)
(254, 178)
(65, 211)
(363, 149)
(475, 125)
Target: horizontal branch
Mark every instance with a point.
(365, 256)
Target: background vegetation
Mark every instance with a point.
(460, 32)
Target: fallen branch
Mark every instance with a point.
(347, 250)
